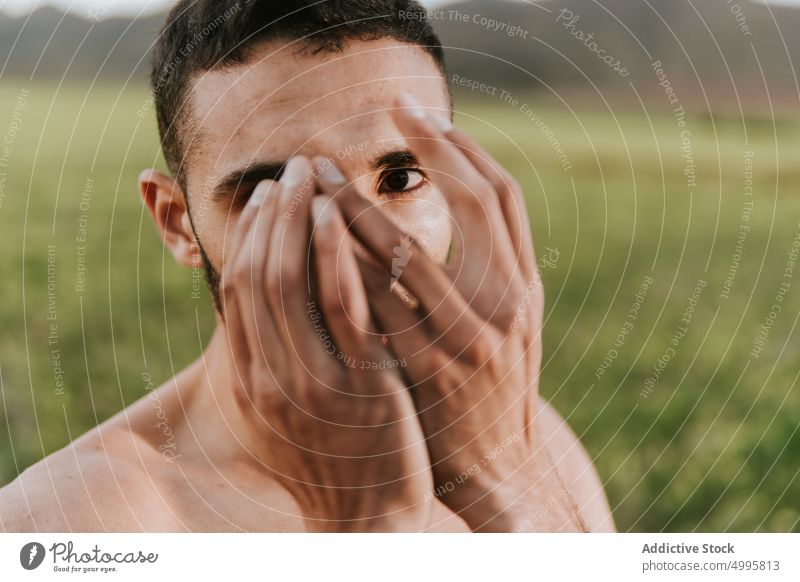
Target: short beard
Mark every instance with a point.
(210, 273)
(212, 278)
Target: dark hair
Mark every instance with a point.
(200, 35)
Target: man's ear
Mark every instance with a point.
(165, 199)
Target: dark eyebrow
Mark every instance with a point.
(247, 177)
(395, 159)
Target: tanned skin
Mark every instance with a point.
(276, 429)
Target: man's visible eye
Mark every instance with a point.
(400, 181)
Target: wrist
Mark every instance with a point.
(408, 519)
(523, 502)
(363, 510)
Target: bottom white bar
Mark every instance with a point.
(389, 558)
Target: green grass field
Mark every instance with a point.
(689, 428)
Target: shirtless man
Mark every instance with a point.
(373, 367)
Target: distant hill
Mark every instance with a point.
(720, 50)
(51, 44)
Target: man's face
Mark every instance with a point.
(252, 118)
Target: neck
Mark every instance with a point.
(216, 423)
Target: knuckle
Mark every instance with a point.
(346, 194)
(481, 194)
(516, 324)
(507, 319)
(227, 286)
(348, 199)
(519, 315)
(481, 349)
(511, 305)
(243, 274)
(324, 246)
(484, 190)
(437, 361)
(370, 346)
(291, 277)
(242, 395)
(268, 398)
(335, 307)
(270, 402)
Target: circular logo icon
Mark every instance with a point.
(31, 555)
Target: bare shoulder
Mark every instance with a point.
(576, 469)
(97, 483)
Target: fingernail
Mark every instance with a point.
(295, 171)
(440, 122)
(260, 193)
(411, 106)
(328, 171)
(321, 207)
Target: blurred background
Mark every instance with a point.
(657, 143)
